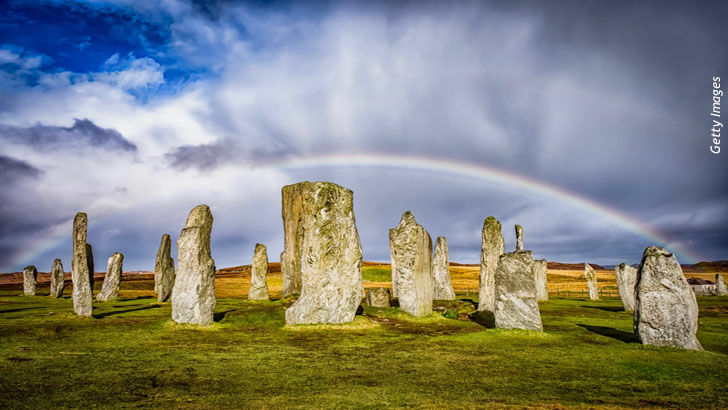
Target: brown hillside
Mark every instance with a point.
(571, 266)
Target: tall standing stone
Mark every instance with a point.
(331, 284)
(626, 279)
(258, 272)
(58, 279)
(666, 312)
(519, 238)
(292, 208)
(516, 306)
(112, 280)
(491, 249)
(540, 268)
(591, 281)
(720, 287)
(193, 295)
(30, 279)
(82, 267)
(441, 272)
(164, 270)
(412, 258)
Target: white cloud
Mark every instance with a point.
(451, 82)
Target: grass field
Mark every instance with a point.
(131, 354)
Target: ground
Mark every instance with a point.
(132, 354)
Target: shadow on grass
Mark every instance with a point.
(620, 335)
(485, 319)
(218, 316)
(136, 298)
(17, 310)
(476, 304)
(606, 308)
(118, 312)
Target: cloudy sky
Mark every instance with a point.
(586, 122)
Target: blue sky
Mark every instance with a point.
(136, 111)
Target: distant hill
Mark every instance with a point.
(715, 266)
(572, 266)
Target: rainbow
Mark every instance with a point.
(504, 180)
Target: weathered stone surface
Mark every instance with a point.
(540, 268)
(666, 313)
(393, 268)
(193, 295)
(258, 272)
(591, 281)
(720, 287)
(626, 279)
(703, 290)
(412, 258)
(519, 238)
(441, 271)
(516, 306)
(82, 269)
(331, 283)
(30, 279)
(58, 279)
(112, 280)
(292, 196)
(164, 270)
(491, 249)
(379, 297)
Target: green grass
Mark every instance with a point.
(132, 354)
(375, 274)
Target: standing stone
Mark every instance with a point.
(193, 295)
(540, 268)
(58, 279)
(393, 268)
(720, 287)
(591, 281)
(378, 297)
(666, 313)
(30, 279)
(441, 271)
(292, 196)
(82, 267)
(112, 280)
(258, 271)
(164, 270)
(331, 284)
(491, 249)
(516, 306)
(519, 238)
(412, 258)
(626, 278)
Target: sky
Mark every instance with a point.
(584, 121)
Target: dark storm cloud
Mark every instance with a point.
(206, 157)
(12, 169)
(81, 134)
(605, 100)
